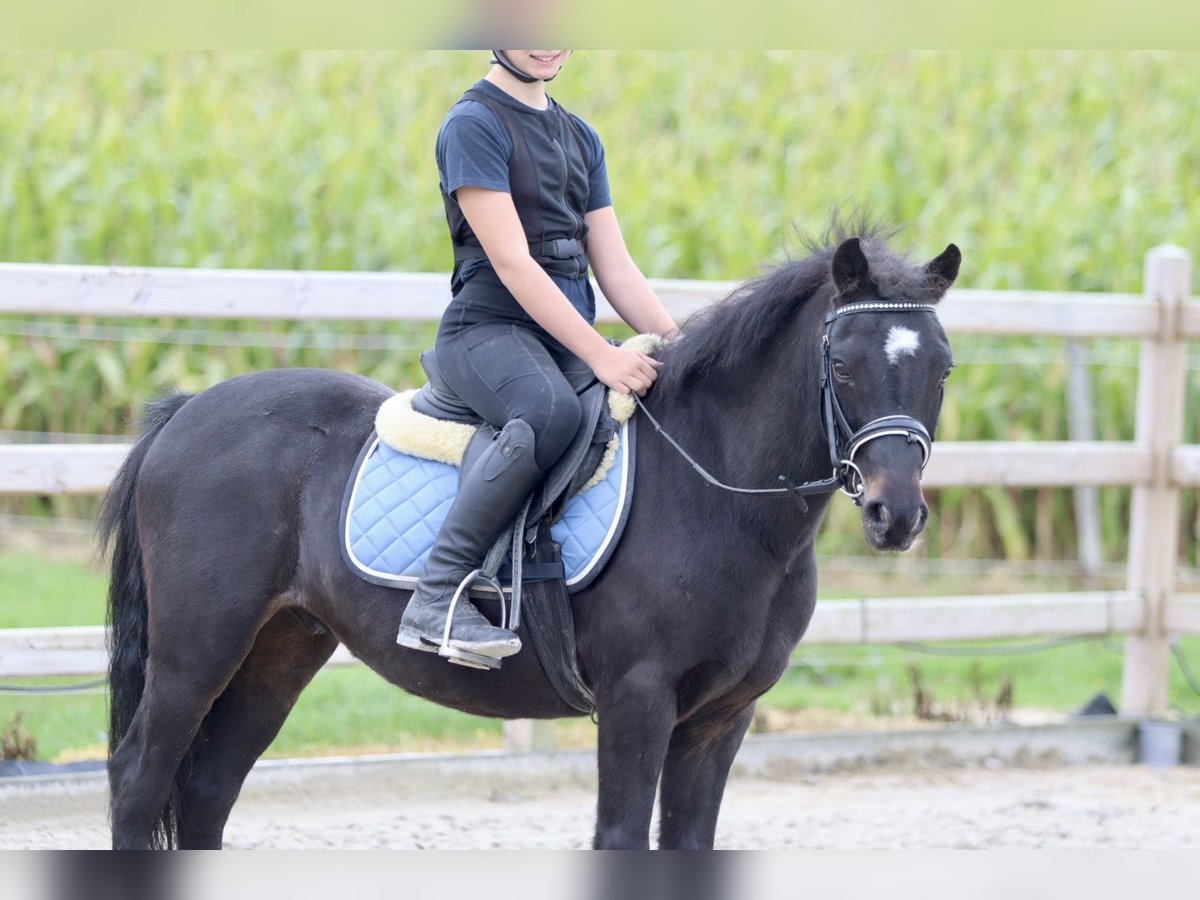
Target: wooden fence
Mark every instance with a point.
(1155, 464)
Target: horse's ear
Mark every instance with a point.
(943, 269)
(850, 268)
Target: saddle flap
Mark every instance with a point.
(550, 621)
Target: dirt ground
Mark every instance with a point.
(1119, 806)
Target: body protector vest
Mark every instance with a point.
(548, 181)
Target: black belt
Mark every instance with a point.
(560, 248)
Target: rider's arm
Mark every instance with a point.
(622, 282)
(493, 219)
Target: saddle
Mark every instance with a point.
(535, 567)
(407, 475)
(578, 464)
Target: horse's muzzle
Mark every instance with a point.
(893, 523)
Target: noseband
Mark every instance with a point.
(844, 442)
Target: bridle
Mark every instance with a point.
(844, 441)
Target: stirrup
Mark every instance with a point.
(413, 639)
(466, 657)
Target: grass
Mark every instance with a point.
(876, 680)
(355, 711)
(36, 591)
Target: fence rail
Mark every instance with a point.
(43, 652)
(1155, 464)
(45, 469)
(35, 289)
(88, 469)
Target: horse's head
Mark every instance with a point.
(887, 360)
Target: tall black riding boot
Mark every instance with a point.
(490, 496)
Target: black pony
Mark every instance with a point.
(228, 590)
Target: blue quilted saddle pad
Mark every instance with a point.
(396, 503)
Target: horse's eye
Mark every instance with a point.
(946, 374)
(840, 370)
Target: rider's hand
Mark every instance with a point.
(626, 371)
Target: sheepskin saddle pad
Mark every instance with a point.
(408, 471)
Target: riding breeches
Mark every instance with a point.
(505, 371)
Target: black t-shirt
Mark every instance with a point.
(474, 149)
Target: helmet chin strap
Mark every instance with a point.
(499, 57)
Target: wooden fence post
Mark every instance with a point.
(1154, 521)
(1080, 428)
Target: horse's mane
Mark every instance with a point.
(753, 313)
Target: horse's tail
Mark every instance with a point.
(127, 600)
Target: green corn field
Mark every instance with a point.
(1051, 171)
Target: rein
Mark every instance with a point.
(844, 442)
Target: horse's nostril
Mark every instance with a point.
(922, 517)
(877, 514)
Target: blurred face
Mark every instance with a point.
(543, 64)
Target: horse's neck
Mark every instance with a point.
(749, 427)
(762, 421)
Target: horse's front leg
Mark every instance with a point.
(699, 757)
(637, 714)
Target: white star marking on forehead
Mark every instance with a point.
(901, 341)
